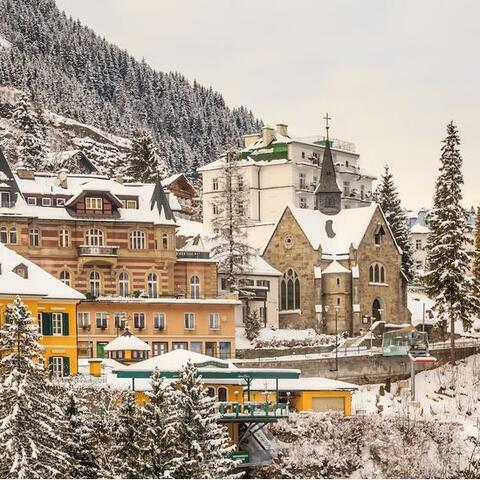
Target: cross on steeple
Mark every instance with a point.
(327, 126)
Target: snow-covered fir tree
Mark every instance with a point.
(31, 142)
(159, 426)
(252, 324)
(81, 439)
(476, 254)
(143, 161)
(389, 200)
(202, 441)
(447, 279)
(33, 426)
(125, 452)
(231, 248)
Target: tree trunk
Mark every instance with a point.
(452, 340)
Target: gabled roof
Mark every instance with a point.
(62, 158)
(39, 283)
(335, 267)
(159, 201)
(7, 179)
(95, 187)
(180, 180)
(127, 341)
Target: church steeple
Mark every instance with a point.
(329, 195)
(160, 201)
(8, 185)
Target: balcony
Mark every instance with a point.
(98, 255)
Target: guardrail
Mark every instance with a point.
(249, 410)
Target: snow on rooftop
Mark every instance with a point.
(301, 384)
(38, 281)
(335, 267)
(419, 228)
(127, 341)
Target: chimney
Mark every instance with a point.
(24, 173)
(250, 139)
(119, 179)
(282, 129)
(268, 135)
(62, 178)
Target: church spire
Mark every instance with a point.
(328, 193)
(8, 184)
(160, 201)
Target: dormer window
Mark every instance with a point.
(31, 200)
(378, 236)
(46, 202)
(21, 270)
(5, 199)
(60, 202)
(94, 203)
(131, 204)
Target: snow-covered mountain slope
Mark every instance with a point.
(102, 148)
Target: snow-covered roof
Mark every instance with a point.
(38, 282)
(127, 341)
(419, 228)
(301, 384)
(335, 267)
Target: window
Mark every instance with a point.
(179, 346)
(101, 320)
(418, 244)
(34, 237)
(13, 235)
(346, 188)
(94, 237)
(379, 233)
(5, 199)
(263, 315)
(211, 349)
(225, 350)
(152, 285)
(46, 202)
(119, 320)
(338, 281)
(196, 347)
(303, 154)
(302, 178)
(214, 321)
(240, 209)
(194, 287)
(215, 209)
(64, 238)
(189, 322)
(240, 183)
(338, 300)
(376, 273)
(139, 320)
(95, 284)
(123, 284)
(211, 392)
(303, 202)
(137, 240)
(117, 355)
(264, 283)
(159, 348)
(159, 321)
(31, 200)
(93, 203)
(65, 277)
(3, 235)
(57, 324)
(165, 241)
(346, 163)
(290, 291)
(60, 202)
(222, 394)
(83, 319)
(215, 184)
(362, 192)
(57, 366)
(130, 204)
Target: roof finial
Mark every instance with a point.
(327, 126)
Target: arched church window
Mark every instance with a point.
(376, 273)
(290, 291)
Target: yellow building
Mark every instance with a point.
(49, 300)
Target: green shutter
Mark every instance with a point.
(65, 323)
(66, 366)
(47, 324)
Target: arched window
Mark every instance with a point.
(94, 237)
(165, 241)
(137, 240)
(222, 394)
(95, 284)
(194, 287)
(123, 284)
(3, 235)
(376, 273)
(211, 392)
(65, 277)
(290, 291)
(13, 235)
(152, 285)
(64, 238)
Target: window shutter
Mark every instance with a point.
(65, 323)
(66, 366)
(47, 324)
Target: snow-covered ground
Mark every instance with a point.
(4, 43)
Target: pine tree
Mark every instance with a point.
(252, 325)
(447, 279)
(125, 451)
(476, 254)
(231, 249)
(202, 441)
(388, 199)
(32, 424)
(142, 161)
(159, 425)
(31, 142)
(82, 440)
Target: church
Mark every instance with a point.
(340, 267)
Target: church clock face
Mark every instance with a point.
(288, 241)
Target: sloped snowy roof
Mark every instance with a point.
(335, 267)
(38, 282)
(418, 228)
(301, 384)
(127, 341)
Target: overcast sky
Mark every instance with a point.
(390, 73)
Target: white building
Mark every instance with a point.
(278, 170)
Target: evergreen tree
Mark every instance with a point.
(252, 325)
(159, 425)
(32, 424)
(125, 452)
(82, 440)
(231, 249)
(31, 141)
(388, 199)
(447, 279)
(202, 441)
(476, 254)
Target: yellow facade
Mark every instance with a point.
(62, 345)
